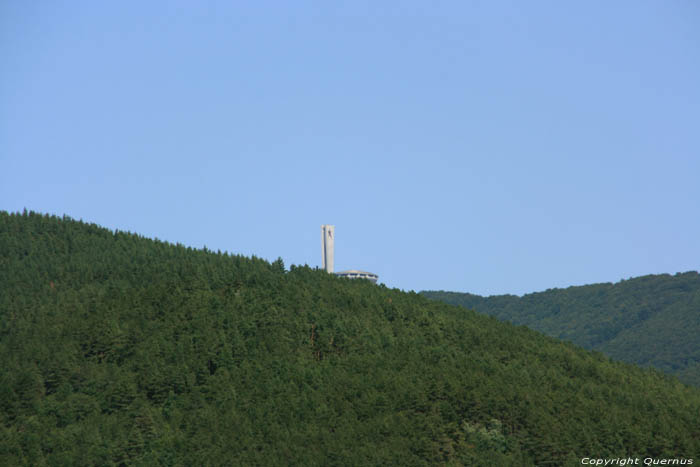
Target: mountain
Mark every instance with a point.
(116, 349)
(649, 321)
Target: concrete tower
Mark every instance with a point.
(327, 242)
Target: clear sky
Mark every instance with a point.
(488, 147)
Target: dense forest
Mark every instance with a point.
(116, 349)
(650, 321)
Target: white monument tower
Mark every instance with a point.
(327, 242)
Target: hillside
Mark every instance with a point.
(121, 350)
(650, 321)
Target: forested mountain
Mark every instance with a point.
(120, 350)
(650, 321)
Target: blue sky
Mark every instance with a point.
(489, 147)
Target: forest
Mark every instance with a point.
(652, 320)
(120, 350)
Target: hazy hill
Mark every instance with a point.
(651, 320)
(120, 350)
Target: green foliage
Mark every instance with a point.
(120, 350)
(649, 321)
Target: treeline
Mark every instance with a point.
(649, 321)
(120, 350)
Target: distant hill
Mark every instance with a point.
(650, 321)
(120, 350)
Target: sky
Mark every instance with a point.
(488, 147)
